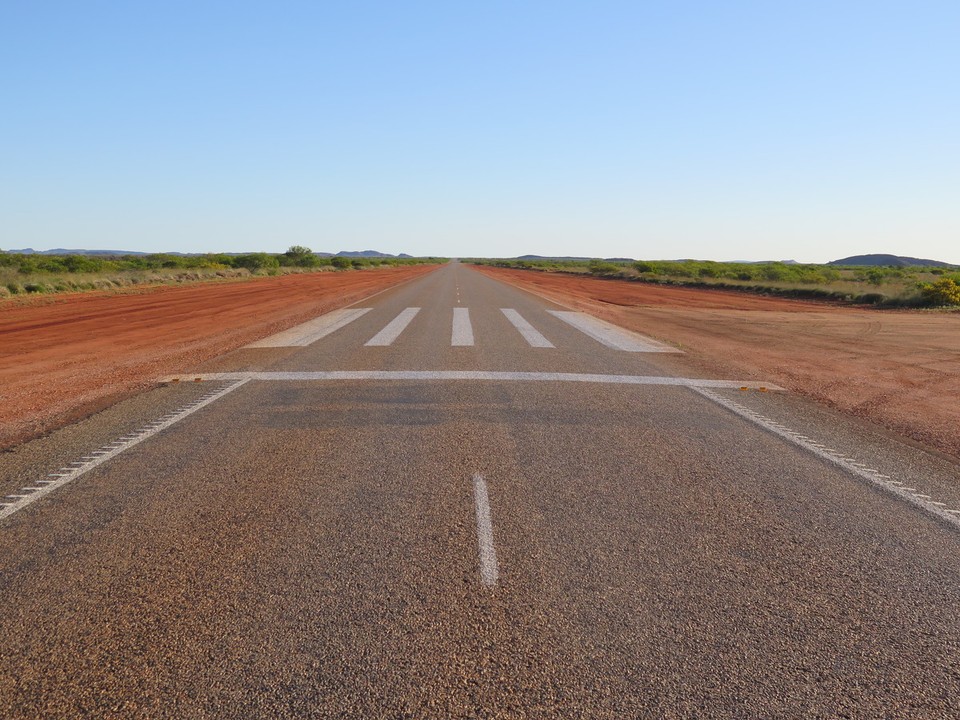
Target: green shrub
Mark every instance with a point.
(256, 261)
(299, 256)
(942, 292)
(600, 267)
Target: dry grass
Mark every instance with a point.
(14, 283)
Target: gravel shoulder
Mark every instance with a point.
(899, 369)
(66, 356)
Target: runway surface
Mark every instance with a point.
(456, 499)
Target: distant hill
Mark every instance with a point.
(889, 260)
(569, 258)
(65, 251)
(364, 254)
(764, 262)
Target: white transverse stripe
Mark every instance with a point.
(530, 334)
(72, 473)
(489, 571)
(873, 477)
(393, 329)
(611, 335)
(462, 330)
(334, 375)
(310, 332)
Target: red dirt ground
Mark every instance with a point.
(65, 356)
(900, 369)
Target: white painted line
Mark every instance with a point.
(489, 570)
(869, 476)
(84, 468)
(312, 330)
(393, 329)
(334, 375)
(610, 335)
(533, 337)
(462, 330)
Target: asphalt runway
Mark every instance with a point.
(456, 499)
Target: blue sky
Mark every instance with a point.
(716, 130)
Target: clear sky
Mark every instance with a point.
(773, 129)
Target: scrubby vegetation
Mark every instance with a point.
(945, 291)
(35, 273)
(881, 286)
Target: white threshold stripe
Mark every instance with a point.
(462, 335)
(487, 375)
(309, 332)
(529, 333)
(393, 329)
(69, 474)
(868, 475)
(489, 570)
(610, 335)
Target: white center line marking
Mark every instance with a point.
(462, 330)
(530, 333)
(488, 375)
(489, 570)
(611, 335)
(311, 331)
(74, 473)
(393, 329)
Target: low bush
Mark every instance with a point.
(600, 267)
(943, 292)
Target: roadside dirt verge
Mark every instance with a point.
(66, 356)
(900, 369)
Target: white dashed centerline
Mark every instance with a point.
(489, 570)
(533, 337)
(393, 329)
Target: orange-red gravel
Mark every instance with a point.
(900, 369)
(64, 356)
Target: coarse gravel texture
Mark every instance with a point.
(310, 549)
(65, 356)
(897, 368)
